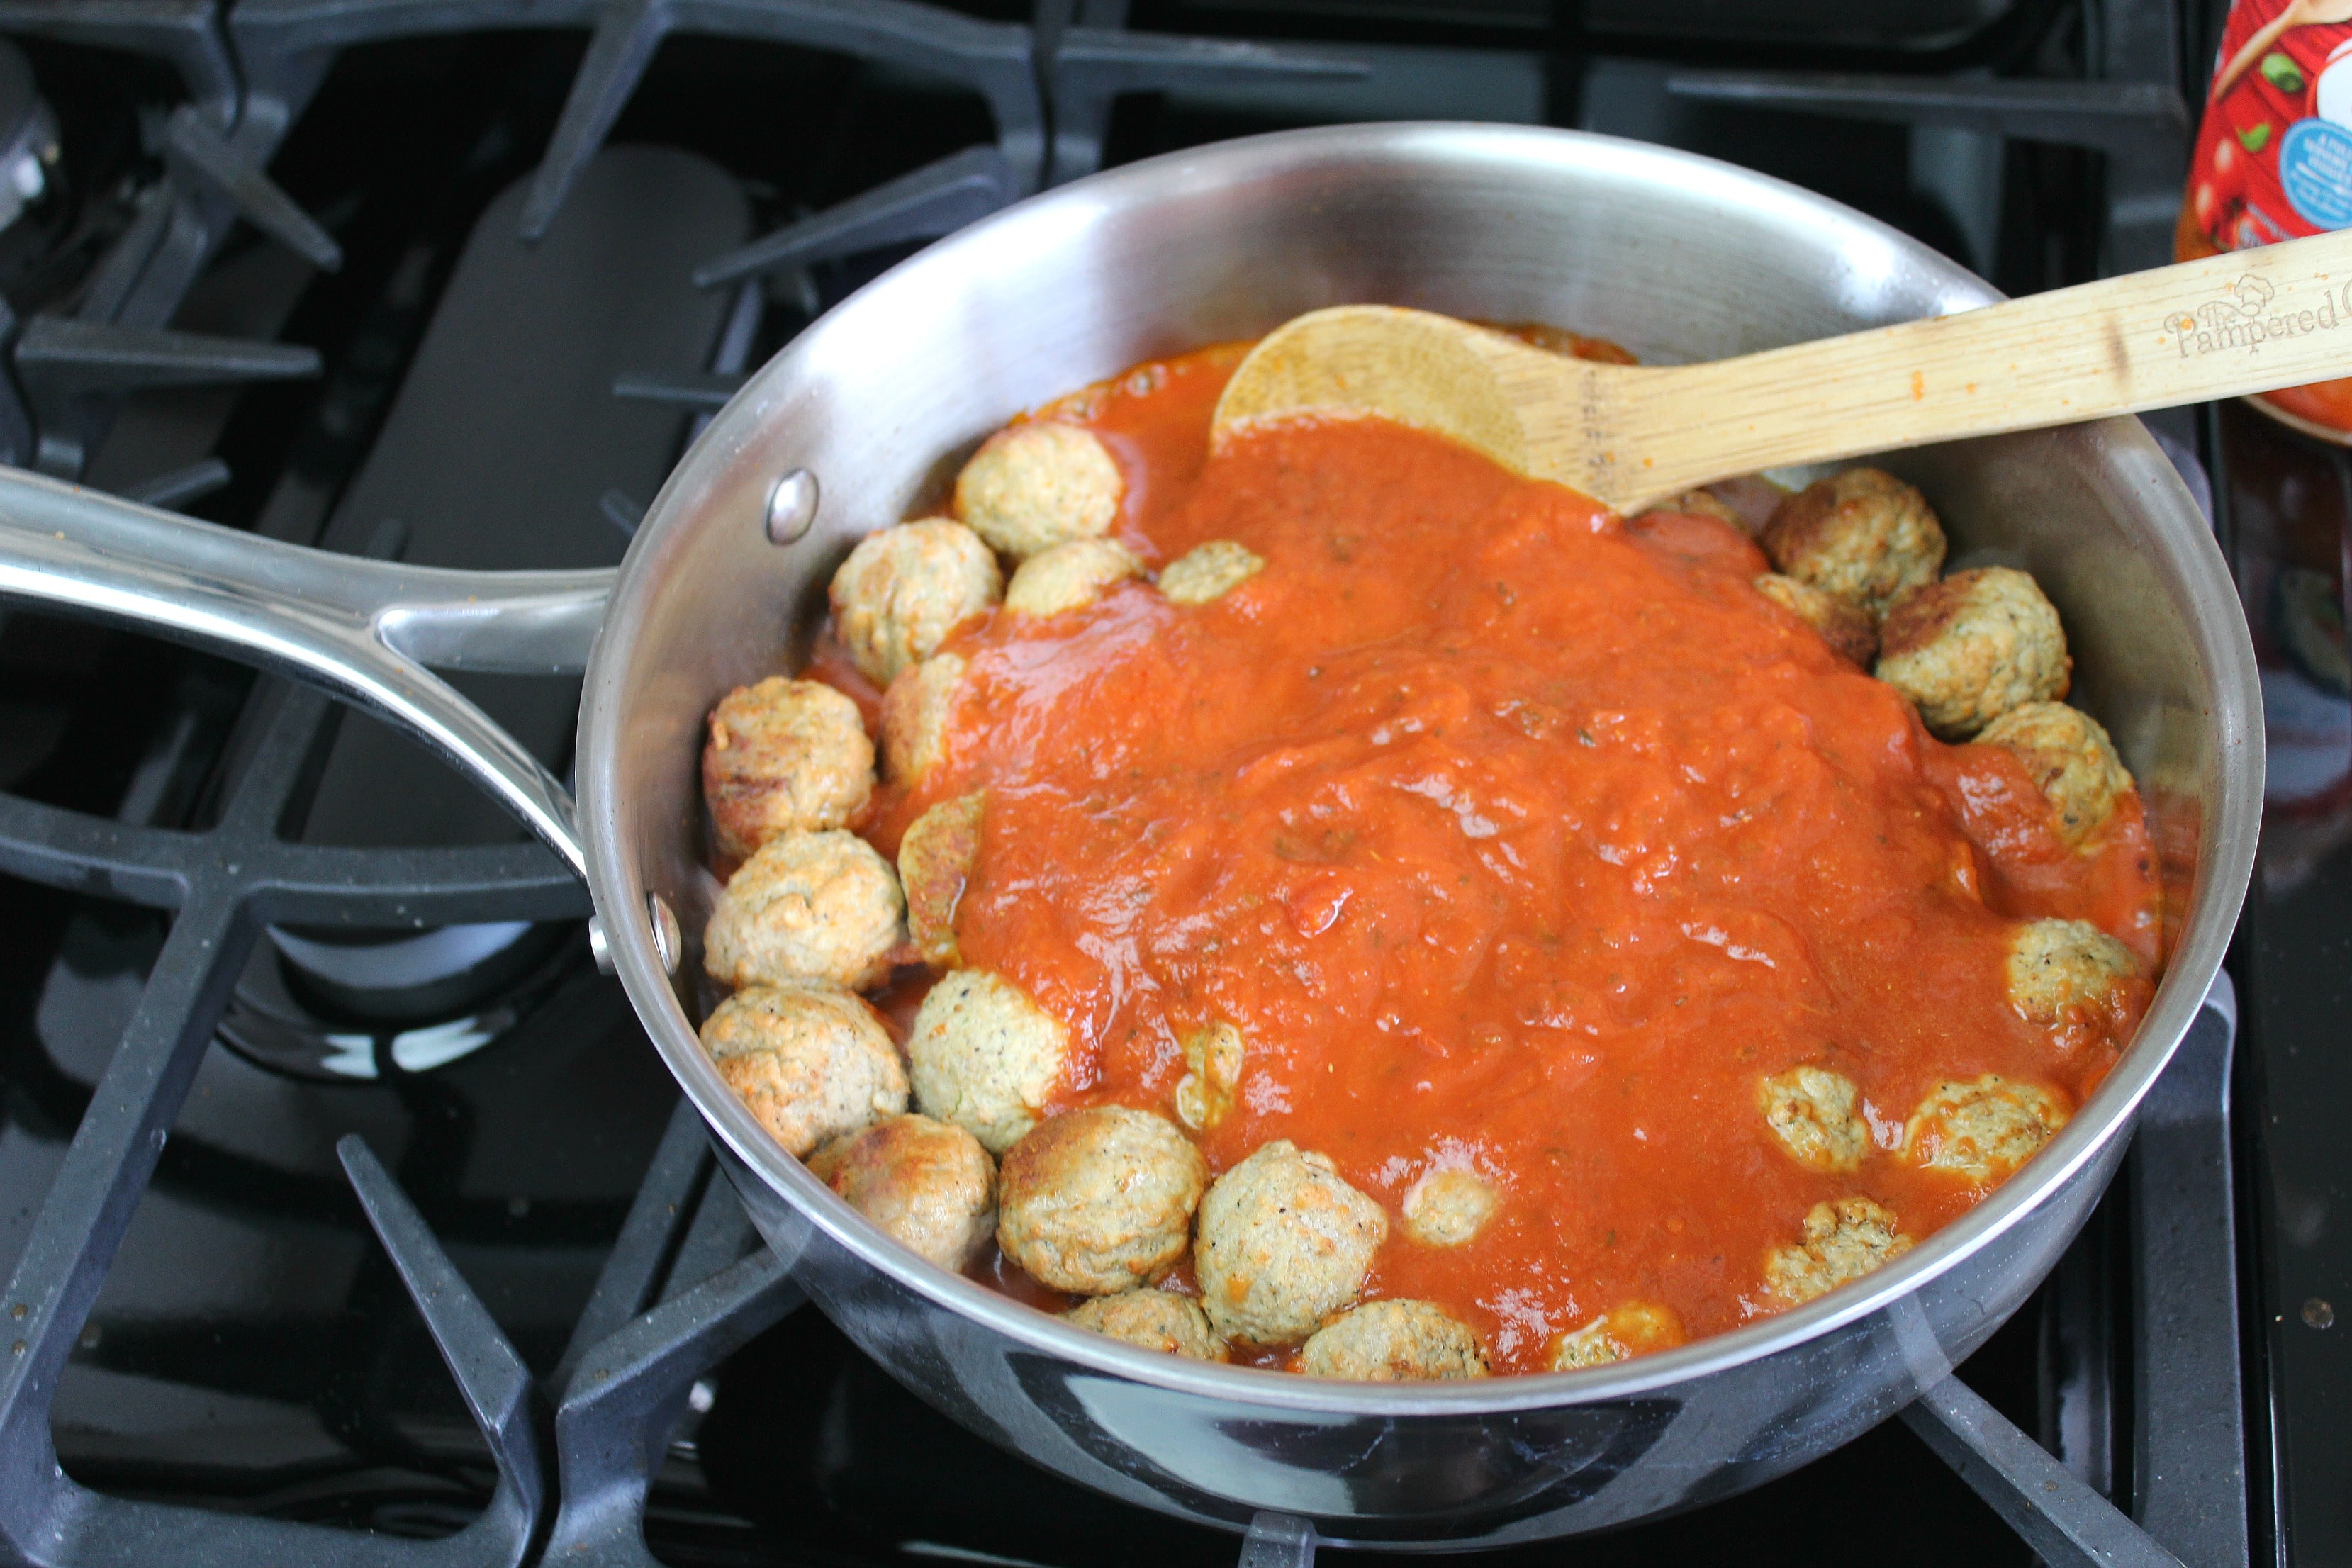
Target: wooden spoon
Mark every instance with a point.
(2243, 321)
(2301, 14)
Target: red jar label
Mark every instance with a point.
(2273, 158)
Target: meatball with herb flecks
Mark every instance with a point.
(1070, 576)
(2070, 759)
(1035, 486)
(2055, 966)
(985, 1056)
(1213, 1057)
(1634, 1327)
(1208, 571)
(1985, 1129)
(928, 1185)
(916, 711)
(1099, 1200)
(1150, 1319)
(1701, 502)
(810, 1062)
(1813, 1112)
(1282, 1244)
(1968, 650)
(935, 855)
(904, 589)
(1394, 1342)
(1842, 1241)
(1849, 632)
(784, 756)
(807, 907)
(1863, 535)
(1448, 1207)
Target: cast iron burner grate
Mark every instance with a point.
(250, 72)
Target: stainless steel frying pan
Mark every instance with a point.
(862, 418)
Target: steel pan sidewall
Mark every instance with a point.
(1441, 1482)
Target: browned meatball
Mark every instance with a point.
(1449, 1207)
(935, 856)
(904, 589)
(1283, 1244)
(1070, 576)
(1635, 1328)
(2070, 758)
(1698, 503)
(1843, 1240)
(1100, 1200)
(1208, 571)
(811, 1062)
(1213, 1059)
(808, 906)
(1035, 486)
(1394, 1342)
(1815, 1115)
(928, 1185)
(1849, 632)
(1862, 535)
(916, 711)
(1985, 1129)
(1968, 650)
(985, 1056)
(2055, 966)
(1151, 1320)
(784, 755)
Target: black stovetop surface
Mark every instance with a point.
(253, 1348)
(2289, 508)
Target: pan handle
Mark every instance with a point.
(364, 630)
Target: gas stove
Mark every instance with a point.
(345, 1212)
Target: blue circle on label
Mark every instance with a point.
(2315, 165)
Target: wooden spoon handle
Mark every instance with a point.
(2243, 321)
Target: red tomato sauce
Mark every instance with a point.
(1513, 836)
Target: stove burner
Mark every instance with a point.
(338, 1005)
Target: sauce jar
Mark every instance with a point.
(2274, 159)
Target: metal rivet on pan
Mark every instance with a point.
(598, 948)
(667, 943)
(2318, 1313)
(791, 507)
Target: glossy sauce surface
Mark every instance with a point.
(1513, 836)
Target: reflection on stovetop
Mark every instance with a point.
(868, 1471)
